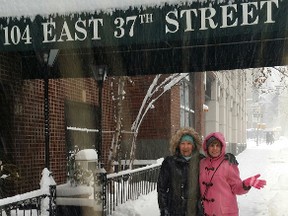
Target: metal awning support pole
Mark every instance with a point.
(49, 60)
(99, 143)
(99, 72)
(46, 119)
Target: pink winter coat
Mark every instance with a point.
(220, 198)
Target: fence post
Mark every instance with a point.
(52, 200)
(100, 182)
(104, 186)
(48, 186)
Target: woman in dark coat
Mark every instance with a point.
(177, 187)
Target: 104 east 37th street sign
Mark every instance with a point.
(194, 23)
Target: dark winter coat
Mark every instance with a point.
(178, 188)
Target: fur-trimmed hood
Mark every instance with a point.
(175, 140)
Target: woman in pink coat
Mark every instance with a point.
(220, 181)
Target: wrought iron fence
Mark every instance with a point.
(109, 191)
(30, 203)
(129, 185)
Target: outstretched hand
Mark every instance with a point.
(254, 182)
(231, 158)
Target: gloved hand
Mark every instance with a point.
(231, 158)
(164, 212)
(254, 182)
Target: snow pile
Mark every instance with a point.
(279, 155)
(86, 155)
(277, 206)
(45, 183)
(145, 205)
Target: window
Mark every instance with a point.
(186, 110)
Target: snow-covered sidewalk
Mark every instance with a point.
(270, 161)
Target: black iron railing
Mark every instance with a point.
(30, 203)
(129, 185)
(109, 192)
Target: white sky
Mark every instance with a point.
(270, 161)
(30, 8)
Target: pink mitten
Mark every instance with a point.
(254, 182)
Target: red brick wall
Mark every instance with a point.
(158, 123)
(175, 109)
(159, 119)
(29, 133)
(30, 143)
(26, 102)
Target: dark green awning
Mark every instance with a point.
(174, 38)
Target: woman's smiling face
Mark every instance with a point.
(186, 148)
(215, 148)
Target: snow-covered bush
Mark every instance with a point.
(78, 172)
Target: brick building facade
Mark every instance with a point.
(70, 101)
(22, 121)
